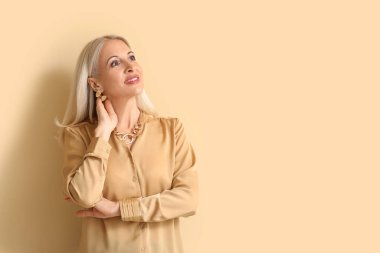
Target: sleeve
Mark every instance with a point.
(180, 200)
(84, 168)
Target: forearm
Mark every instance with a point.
(181, 201)
(85, 184)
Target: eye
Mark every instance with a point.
(133, 57)
(112, 63)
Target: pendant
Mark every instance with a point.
(128, 138)
(131, 138)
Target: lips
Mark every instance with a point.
(132, 79)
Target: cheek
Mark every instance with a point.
(111, 81)
(138, 68)
(114, 75)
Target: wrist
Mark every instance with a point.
(117, 208)
(99, 132)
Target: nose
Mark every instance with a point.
(129, 67)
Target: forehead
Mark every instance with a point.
(113, 47)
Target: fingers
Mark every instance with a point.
(109, 107)
(105, 108)
(92, 212)
(99, 103)
(100, 109)
(68, 199)
(85, 213)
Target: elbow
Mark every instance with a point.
(193, 204)
(194, 209)
(82, 198)
(191, 212)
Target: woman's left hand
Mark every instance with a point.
(103, 209)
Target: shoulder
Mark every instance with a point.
(168, 120)
(83, 130)
(174, 124)
(169, 123)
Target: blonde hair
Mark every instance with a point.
(81, 103)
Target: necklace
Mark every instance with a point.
(129, 138)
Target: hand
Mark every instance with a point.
(107, 118)
(103, 209)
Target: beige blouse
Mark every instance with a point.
(155, 182)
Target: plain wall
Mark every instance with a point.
(279, 98)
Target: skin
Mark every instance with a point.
(119, 111)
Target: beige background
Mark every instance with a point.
(280, 100)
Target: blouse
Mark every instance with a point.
(155, 182)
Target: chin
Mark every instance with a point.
(135, 92)
(139, 89)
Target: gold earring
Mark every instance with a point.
(102, 97)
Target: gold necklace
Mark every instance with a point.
(128, 138)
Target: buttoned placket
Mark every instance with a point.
(144, 235)
(136, 179)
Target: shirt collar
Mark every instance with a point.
(144, 117)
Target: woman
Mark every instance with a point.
(132, 171)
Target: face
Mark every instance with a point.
(119, 74)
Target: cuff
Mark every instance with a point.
(130, 209)
(99, 147)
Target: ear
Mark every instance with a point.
(93, 84)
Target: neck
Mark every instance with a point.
(127, 113)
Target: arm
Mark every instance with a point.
(180, 200)
(84, 168)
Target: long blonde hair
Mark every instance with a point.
(81, 103)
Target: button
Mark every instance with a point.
(134, 178)
(142, 225)
(142, 249)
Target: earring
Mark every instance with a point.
(102, 97)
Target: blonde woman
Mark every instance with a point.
(131, 170)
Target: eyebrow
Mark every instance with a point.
(130, 52)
